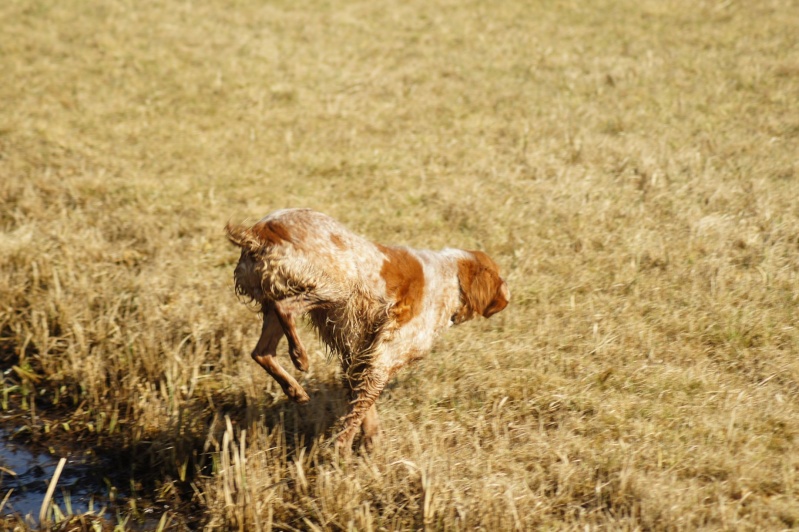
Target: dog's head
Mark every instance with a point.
(483, 291)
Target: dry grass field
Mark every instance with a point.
(632, 166)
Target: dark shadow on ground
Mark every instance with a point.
(156, 469)
(151, 472)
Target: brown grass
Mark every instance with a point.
(631, 165)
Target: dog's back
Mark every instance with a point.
(304, 253)
(294, 251)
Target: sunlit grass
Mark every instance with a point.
(632, 166)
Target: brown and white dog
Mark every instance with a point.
(376, 307)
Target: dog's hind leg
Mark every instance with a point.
(285, 309)
(265, 354)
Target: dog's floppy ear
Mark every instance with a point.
(500, 301)
(483, 291)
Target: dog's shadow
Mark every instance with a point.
(302, 425)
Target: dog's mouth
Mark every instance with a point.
(457, 318)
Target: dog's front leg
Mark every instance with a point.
(370, 426)
(369, 383)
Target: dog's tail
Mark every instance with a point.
(261, 235)
(242, 236)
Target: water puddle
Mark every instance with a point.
(26, 475)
